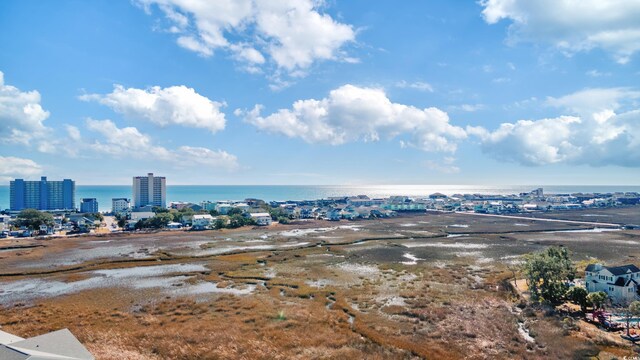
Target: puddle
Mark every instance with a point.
(456, 235)
(135, 277)
(446, 245)
(594, 230)
(359, 269)
(413, 260)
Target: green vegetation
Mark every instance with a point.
(597, 299)
(32, 219)
(157, 222)
(547, 274)
(578, 296)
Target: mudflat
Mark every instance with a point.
(434, 285)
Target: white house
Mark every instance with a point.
(142, 215)
(619, 282)
(202, 221)
(262, 219)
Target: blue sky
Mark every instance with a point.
(321, 92)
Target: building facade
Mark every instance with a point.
(42, 195)
(120, 205)
(619, 282)
(149, 191)
(89, 205)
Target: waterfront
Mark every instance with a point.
(199, 193)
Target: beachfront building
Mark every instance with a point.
(262, 219)
(619, 282)
(149, 191)
(89, 205)
(120, 206)
(42, 195)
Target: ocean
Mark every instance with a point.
(199, 193)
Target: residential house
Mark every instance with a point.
(619, 282)
(261, 219)
(202, 221)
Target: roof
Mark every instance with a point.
(615, 270)
(59, 344)
(260, 214)
(621, 270)
(10, 354)
(203, 216)
(6, 338)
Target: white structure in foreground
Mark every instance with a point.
(58, 345)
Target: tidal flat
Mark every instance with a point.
(429, 285)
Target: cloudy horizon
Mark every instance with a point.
(312, 92)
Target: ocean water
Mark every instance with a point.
(199, 193)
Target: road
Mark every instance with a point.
(542, 219)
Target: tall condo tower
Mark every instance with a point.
(149, 190)
(42, 195)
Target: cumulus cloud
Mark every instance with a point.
(589, 101)
(129, 142)
(570, 25)
(175, 105)
(15, 167)
(593, 135)
(292, 33)
(352, 113)
(21, 115)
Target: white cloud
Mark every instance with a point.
(588, 101)
(418, 85)
(129, 142)
(596, 73)
(352, 113)
(469, 107)
(594, 135)
(21, 115)
(175, 105)
(293, 33)
(14, 167)
(570, 25)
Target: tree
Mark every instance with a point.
(234, 211)
(578, 296)
(597, 299)
(221, 223)
(98, 216)
(32, 219)
(632, 310)
(547, 274)
(213, 212)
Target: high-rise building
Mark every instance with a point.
(89, 205)
(149, 190)
(42, 195)
(120, 205)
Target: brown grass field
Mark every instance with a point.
(400, 288)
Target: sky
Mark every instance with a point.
(321, 92)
